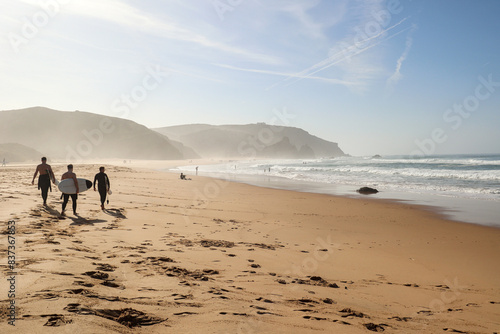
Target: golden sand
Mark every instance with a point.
(209, 256)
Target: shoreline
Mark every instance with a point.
(461, 210)
(464, 210)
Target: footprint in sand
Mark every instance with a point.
(185, 313)
(127, 316)
(453, 330)
(83, 283)
(375, 327)
(56, 320)
(104, 267)
(111, 284)
(347, 312)
(264, 300)
(97, 275)
(397, 318)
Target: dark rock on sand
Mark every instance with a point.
(367, 190)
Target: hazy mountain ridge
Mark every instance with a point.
(251, 140)
(83, 135)
(14, 152)
(77, 135)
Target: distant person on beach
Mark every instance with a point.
(46, 174)
(3, 162)
(102, 184)
(70, 175)
(196, 170)
(183, 177)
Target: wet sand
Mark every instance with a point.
(212, 256)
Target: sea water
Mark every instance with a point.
(466, 187)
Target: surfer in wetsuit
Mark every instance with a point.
(70, 175)
(102, 184)
(46, 174)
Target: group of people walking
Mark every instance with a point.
(47, 175)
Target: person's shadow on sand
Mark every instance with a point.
(51, 211)
(115, 213)
(79, 220)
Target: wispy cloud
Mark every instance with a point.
(396, 76)
(283, 74)
(347, 53)
(120, 13)
(350, 55)
(310, 26)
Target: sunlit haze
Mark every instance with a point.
(377, 77)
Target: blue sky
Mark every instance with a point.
(378, 77)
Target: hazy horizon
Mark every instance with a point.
(377, 77)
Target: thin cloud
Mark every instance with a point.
(396, 76)
(329, 80)
(196, 76)
(340, 57)
(118, 12)
(346, 54)
(311, 27)
(358, 52)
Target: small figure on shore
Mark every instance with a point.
(102, 185)
(3, 162)
(196, 170)
(183, 177)
(70, 175)
(46, 174)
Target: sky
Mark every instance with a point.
(377, 77)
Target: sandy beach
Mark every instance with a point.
(210, 256)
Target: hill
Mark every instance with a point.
(250, 141)
(83, 135)
(12, 152)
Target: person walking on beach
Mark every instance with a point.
(70, 175)
(102, 184)
(46, 174)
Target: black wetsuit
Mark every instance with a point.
(74, 197)
(102, 185)
(44, 185)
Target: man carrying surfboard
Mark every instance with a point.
(46, 174)
(70, 175)
(102, 184)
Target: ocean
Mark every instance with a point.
(464, 187)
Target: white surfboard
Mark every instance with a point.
(68, 186)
